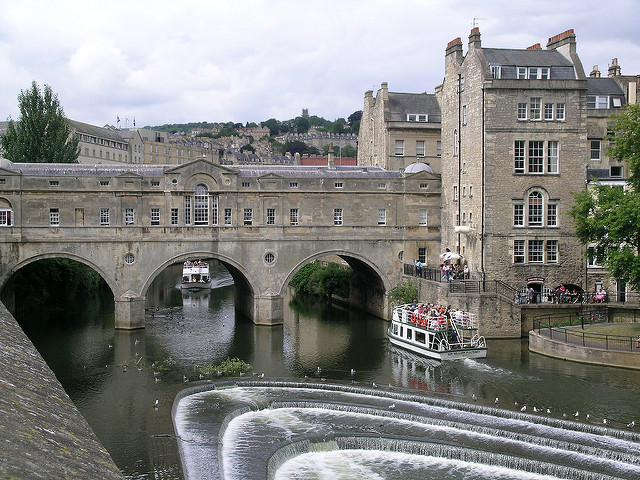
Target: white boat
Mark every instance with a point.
(443, 336)
(195, 276)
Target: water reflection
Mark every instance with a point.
(88, 356)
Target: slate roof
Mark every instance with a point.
(603, 86)
(99, 132)
(560, 66)
(301, 171)
(401, 104)
(85, 170)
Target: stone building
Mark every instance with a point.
(398, 129)
(514, 136)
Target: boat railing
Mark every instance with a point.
(434, 321)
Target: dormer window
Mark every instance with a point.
(417, 117)
(496, 71)
(533, 73)
(597, 101)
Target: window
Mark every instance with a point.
(559, 111)
(382, 216)
(464, 114)
(293, 216)
(187, 210)
(155, 216)
(337, 216)
(54, 217)
(6, 217)
(518, 215)
(54, 183)
(535, 209)
(552, 215)
(439, 148)
(455, 193)
(522, 73)
(293, 184)
(201, 205)
(128, 216)
(424, 186)
(535, 112)
(422, 254)
(552, 157)
(552, 251)
(227, 216)
(104, 183)
(155, 183)
(399, 148)
(271, 216)
(595, 148)
(522, 111)
(411, 117)
(597, 101)
(455, 143)
(248, 216)
(536, 251)
(548, 111)
(519, 156)
(214, 209)
(246, 184)
(269, 258)
(471, 190)
(423, 117)
(420, 148)
(595, 257)
(496, 71)
(422, 217)
(174, 216)
(616, 171)
(104, 216)
(338, 184)
(536, 156)
(518, 251)
(382, 186)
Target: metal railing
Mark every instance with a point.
(564, 328)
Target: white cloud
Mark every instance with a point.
(168, 62)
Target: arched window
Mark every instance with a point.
(455, 142)
(535, 209)
(201, 205)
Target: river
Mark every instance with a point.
(111, 377)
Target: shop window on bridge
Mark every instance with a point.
(202, 207)
(6, 217)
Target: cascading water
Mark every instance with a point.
(287, 430)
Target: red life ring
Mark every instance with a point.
(413, 318)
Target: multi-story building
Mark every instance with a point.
(398, 129)
(514, 140)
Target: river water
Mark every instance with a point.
(111, 377)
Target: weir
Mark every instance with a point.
(260, 429)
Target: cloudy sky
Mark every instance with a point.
(250, 60)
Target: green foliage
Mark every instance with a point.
(165, 365)
(54, 281)
(608, 217)
(42, 133)
(295, 146)
(319, 280)
(404, 293)
(226, 132)
(346, 151)
(233, 367)
(247, 148)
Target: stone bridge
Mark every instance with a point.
(129, 222)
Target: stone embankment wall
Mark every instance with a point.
(44, 436)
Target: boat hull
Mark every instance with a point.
(452, 354)
(196, 285)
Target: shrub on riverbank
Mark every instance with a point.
(317, 279)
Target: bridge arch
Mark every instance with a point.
(13, 269)
(369, 286)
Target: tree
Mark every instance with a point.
(406, 292)
(42, 133)
(608, 217)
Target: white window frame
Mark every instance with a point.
(154, 216)
(201, 205)
(422, 217)
(438, 148)
(455, 193)
(522, 110)
(519, 251)
(496, 71)
(104, 216)
(535, 156)
(560, 111)
(552, 214)
(455, 143)
(227, 216)
(535, 108)
(519, 156)
(518, 214)
(399, 150)
(420, 148)
(129, 216)
(548, 111)
(54, 217)
(382, 216)
(174, 216)
(595, 154)
(294, 216)
(535, 251)
(535, 209)
(271, 216)
(248, 216)
(337, 216)
(552, 251)
(553, 157)
(464, 115)
(6, 217)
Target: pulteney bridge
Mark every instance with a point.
(129, 222)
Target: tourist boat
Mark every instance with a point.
(443, 336)
(195, 276)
